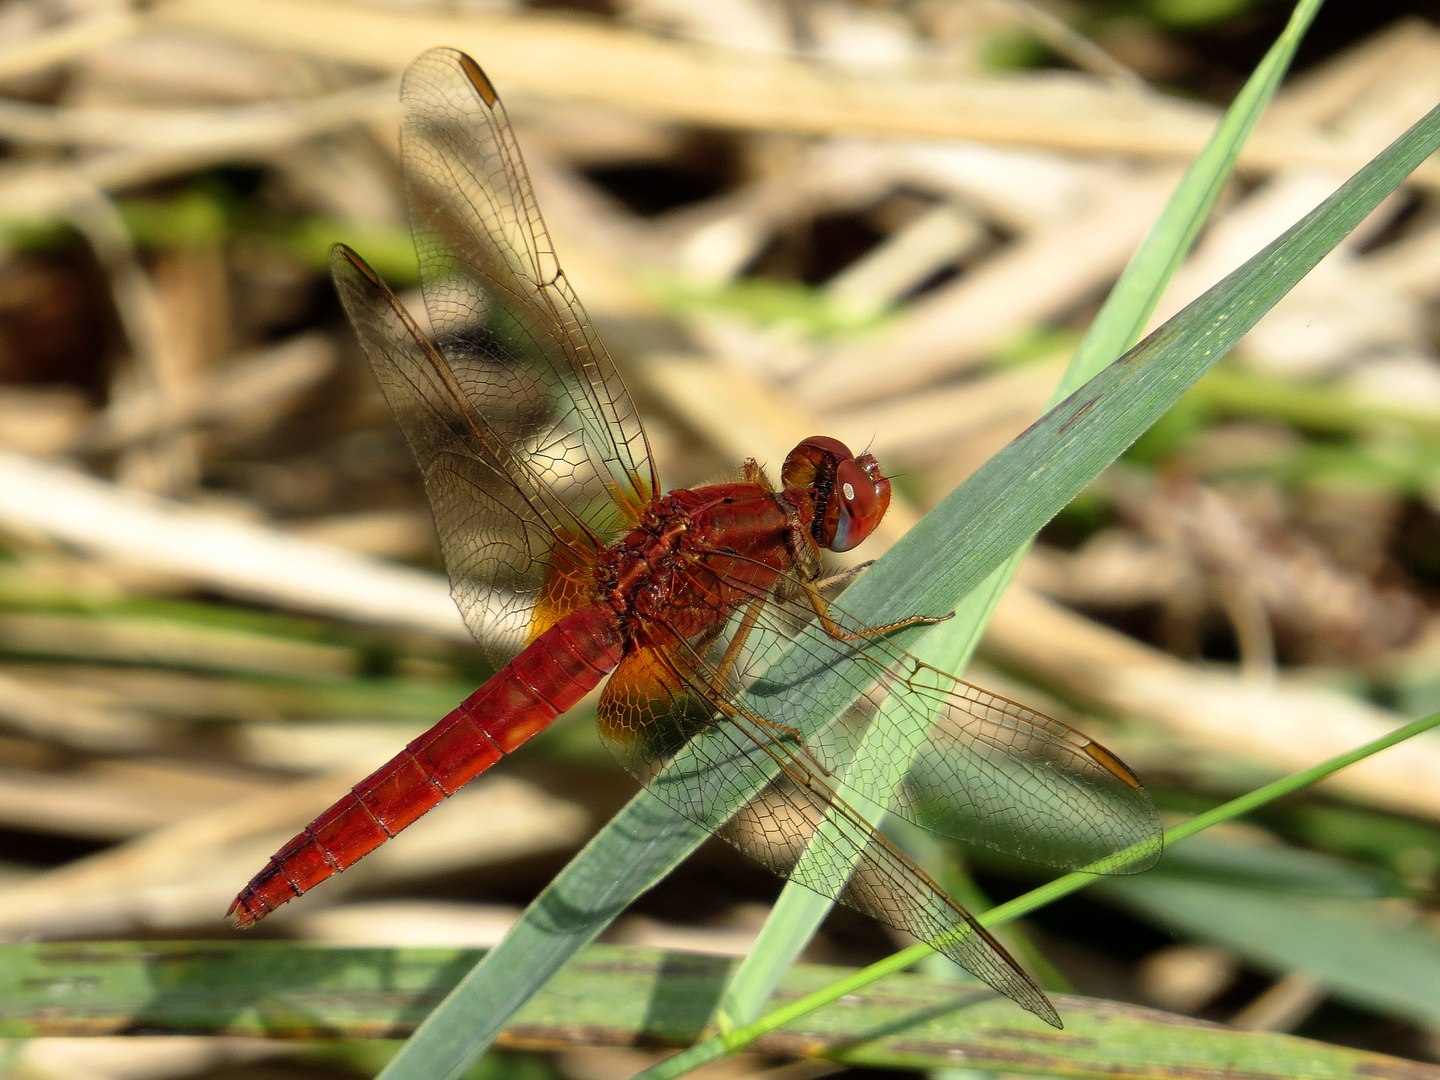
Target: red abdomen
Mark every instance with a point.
(548, 678)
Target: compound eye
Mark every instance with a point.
(861, 499)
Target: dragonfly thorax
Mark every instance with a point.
(696, 557)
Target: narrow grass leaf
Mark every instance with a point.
(612, 995)
(1358, 950)
(799, 912)
(1132, 301)
(719, 1045)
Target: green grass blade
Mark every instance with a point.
(720, 1045)
(1018, 490)
(635, 850)
(1357, 950)
(616, 996)
(1121, 320)
(1132, 301)
(1031, 479)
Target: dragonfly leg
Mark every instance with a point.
(827, 621)
(715, 680)
(737, 642)
(844, 576)
(733, 713)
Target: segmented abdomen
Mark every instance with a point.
(549, 677)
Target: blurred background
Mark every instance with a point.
(221, 601)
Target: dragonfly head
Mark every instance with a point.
(850, 494)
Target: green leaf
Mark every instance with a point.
(1118, 325)
(1031, 479)
(1274, 869)
(717, 1046)
(1408, 848)
(1365, 952)
(622, 996)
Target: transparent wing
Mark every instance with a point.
(517, 558)
(979, 767)
(656, 701)
(501, 309)
(531, 448)
(731, 722)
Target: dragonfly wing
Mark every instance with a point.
(756, 787)
(994, 773)
(501, 308)
(517, 559)
(531, 449)
(974, 766)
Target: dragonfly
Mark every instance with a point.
(706, 609)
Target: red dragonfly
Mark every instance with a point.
(704, 607)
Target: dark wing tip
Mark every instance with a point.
(478, 79)
(1112, 764)
(473, 73)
